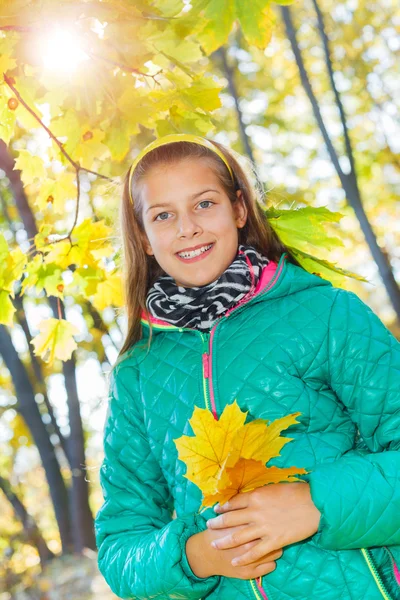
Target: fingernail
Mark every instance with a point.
(213, 544)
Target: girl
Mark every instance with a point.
(218, 310)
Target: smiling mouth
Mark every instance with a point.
(190, 255)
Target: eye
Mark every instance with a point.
(209, 201)
(159, 215)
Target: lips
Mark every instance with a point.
(200, 256)
(194, 248)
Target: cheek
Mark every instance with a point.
(161, 239)
(229, 229)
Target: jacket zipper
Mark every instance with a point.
(207, 339)
(206, 371)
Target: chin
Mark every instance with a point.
(203, 281)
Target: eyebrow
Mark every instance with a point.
(192, 197)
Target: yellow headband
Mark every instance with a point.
(175, 137)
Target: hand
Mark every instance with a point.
(206, 561)
(274, 516)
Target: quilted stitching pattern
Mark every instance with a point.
(302, 346)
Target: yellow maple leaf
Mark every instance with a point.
(90, 241)
(205, 453)
(56, 192)
(226, 457)
(31, 167)
(12, 265)
(55, 340)
(260, 441)
(108, 293)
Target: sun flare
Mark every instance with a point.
(62, 51)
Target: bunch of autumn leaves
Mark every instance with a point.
(226, 456)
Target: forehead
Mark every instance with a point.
(167, 181)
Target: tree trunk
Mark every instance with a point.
(29, 410)
(37, 370)
(227, 70)
(32, 531)
(349, 181)
(81, 515)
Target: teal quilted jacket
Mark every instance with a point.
(298, 344)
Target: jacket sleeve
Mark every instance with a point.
(358, 494)
(141, 549)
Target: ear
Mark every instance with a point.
(240, 210)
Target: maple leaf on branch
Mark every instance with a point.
(226, 456)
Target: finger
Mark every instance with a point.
(230, 519)
(273, 555)
(238, 537)
(256, 553)
(254, 571)
(264, 569)
(238, 501)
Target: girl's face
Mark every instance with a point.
(186, 210)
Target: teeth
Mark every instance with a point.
(194, 253)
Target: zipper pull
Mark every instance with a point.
(206, 367)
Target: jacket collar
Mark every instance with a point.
(270, 275)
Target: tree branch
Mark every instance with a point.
(291, 33)
(75, 164)
(328, 60)
(229, 74)
(9, 81)
(124, 67)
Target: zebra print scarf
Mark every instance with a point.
(199, 307)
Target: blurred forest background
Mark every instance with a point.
(308, 91)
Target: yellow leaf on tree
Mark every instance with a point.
(109, 293)
(83, 142)
(12, 265)
(21, 433)
(31, 167)
(85, 281)
(7, 119)
(7, 43)
(219, 18)
(90, 241)
(55, 340)
(257, 31)
(56, 192)
(226, 457)
(43, 275)
(7, 309)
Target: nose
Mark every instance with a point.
(188, 226)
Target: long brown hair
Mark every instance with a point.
(141, 270)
